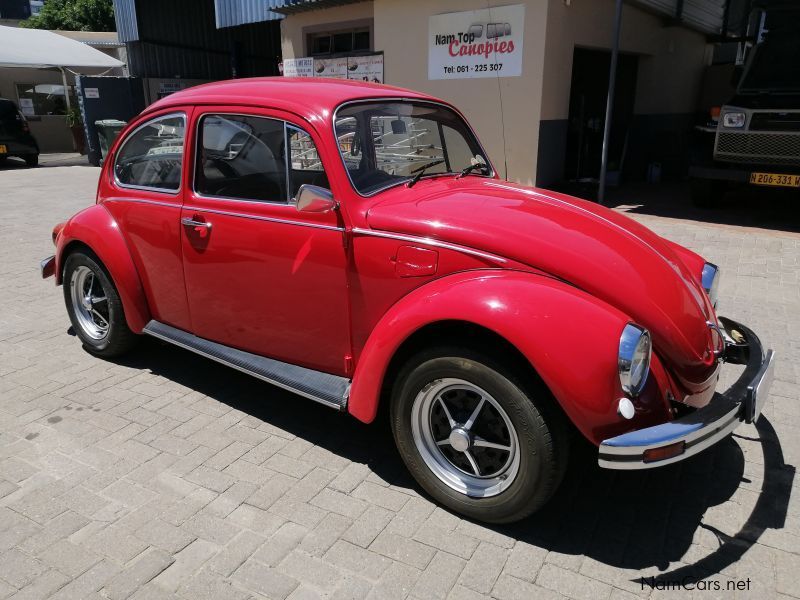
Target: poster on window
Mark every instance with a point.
(26, 106)
(335, 68)
(298, 67)
(476, 43)
(365, 68)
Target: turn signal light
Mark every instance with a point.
(664, 452)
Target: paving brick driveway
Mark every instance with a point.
(167, 476)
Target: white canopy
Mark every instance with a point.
(37, 48)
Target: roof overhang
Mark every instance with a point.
(291, 7)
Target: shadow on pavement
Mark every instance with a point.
(762, 208)
(633, 520)
(67, 159)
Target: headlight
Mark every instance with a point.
(733, 120)
(710, 282)
(634, 358)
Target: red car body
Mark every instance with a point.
(555, 277)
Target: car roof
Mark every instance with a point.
(302, 95)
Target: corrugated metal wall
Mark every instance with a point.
(239, 12)
(179, 38)
(704, 15)
(127, 26)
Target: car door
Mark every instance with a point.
(143, 190)
(260, 275)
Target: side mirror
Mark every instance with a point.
(315, 199)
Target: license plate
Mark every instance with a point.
(775, 179)
(3, 149)
(758, 390)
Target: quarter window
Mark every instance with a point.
(305, 165)
(152, 155)
(242, 157)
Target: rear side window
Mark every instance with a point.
(151, 157)
(241, 157)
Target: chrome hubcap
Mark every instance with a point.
(465, 437)
(89, 302)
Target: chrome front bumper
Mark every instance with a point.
(679, 439)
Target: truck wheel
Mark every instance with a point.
(94, 306)
(707, 193)
(474, 439)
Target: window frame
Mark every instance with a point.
(286, 162)
(130, 135)
(330, 33)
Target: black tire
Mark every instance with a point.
(707, 193)
(543, 438)
(32, 160)
(118, 338)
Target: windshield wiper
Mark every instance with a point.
(473, 167)
(421, 171)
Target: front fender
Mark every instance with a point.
(569, 337)
(97, 229)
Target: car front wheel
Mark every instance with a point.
(94, 306)
(473, 437)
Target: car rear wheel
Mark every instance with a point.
(473, 436)
(94, 306)
(32, 160)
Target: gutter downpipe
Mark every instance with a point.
(612, 82)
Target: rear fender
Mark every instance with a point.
(569, 337)
(97, 229)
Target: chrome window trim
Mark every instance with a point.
(263, 218)
(128, 137)
(143, 201)
(429, 241)
(286, 125)
(410, 100)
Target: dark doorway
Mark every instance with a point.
(587, 108)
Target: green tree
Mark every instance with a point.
(74, 15)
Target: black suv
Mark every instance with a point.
(15, 135)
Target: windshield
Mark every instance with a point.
(388, 143)
(774, 66)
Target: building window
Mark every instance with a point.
(44, 99)
(340, 42)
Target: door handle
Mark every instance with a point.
(202, 228)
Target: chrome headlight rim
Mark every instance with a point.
(709, 279)
(633, 360)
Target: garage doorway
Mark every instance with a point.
(587, 109)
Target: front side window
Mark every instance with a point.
(151, 157)
(387, 143)
(245, 157)
(241, 157)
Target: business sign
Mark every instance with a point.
(365, 68)
(362, 68)
(91, 92)
(335, 68)
(298, 67)
(476, 43)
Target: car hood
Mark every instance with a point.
(595, 249)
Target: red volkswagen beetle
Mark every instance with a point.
(352, 243)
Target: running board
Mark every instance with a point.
(330, 390)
